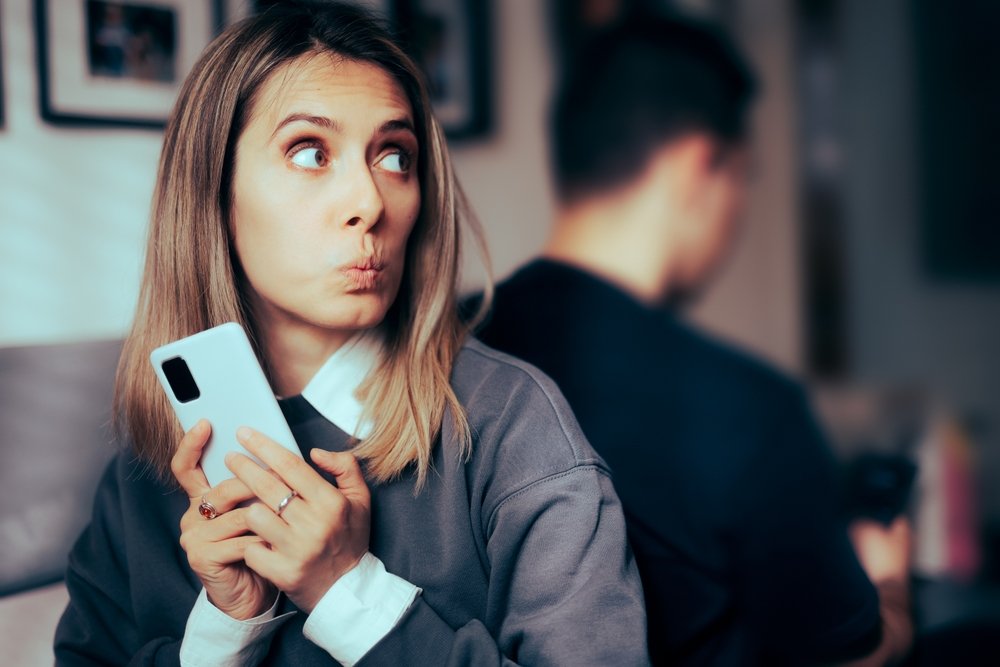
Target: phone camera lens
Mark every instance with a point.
(181, 381)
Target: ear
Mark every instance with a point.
(697, 153)
(726, 171)
(684, 167)
(706, 159)
(717, 193)
(726, 167)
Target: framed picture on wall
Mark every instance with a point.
(1, 82)
(231, 11)
(386, 9)
(104, 62)
(450, 40)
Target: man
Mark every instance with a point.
(727, 481)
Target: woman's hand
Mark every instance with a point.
(322, 532)
(216, 547)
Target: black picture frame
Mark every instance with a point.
(459, 74)
(957, 102)
(2, 99)
(452, 42)
(122, 68)
(228, 12)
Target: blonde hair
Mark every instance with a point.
(192, 279)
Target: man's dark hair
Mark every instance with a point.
(635, 86)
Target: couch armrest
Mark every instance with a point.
(55, 405)
(28, 624)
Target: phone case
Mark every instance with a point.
(232, 391)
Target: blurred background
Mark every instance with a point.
(869, 264)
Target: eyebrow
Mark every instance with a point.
(321, 121)
(396, 125)
(328, 123)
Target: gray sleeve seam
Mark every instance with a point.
(548, 397)
(538, 482)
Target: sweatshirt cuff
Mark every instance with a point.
(212, 638)
(359, 610)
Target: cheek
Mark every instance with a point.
(402, 209)
(260, 238)
(410, 215)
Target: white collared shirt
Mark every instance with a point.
(365, 603)
(333, 390)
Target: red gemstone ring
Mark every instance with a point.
(207, 509)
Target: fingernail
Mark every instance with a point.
(243, 433)
(229, 458)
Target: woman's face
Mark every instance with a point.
(325, 194)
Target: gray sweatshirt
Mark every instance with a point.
(520, 551)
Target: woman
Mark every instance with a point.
(305, 192)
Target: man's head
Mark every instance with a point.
(655, 94)
(637, 86)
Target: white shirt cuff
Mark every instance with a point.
(212, 638)
(359, 610)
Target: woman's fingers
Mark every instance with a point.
(269, 488)
(345, 469)
(293, 471)
(229, 551)
(265, 562)
(319, 535)
(184, 464)
(228, 494)
(223, 527)
(264, 522)
(225, 498)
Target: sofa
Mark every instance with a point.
(55, 411)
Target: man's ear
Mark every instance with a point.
(687, 164)
(702, 152)
(706, 158)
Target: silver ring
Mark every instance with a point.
(207, 509)
(284, 502)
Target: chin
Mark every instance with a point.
(367, 316)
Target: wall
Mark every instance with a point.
(756, 300)
(74, 202)
(506, 175)
(904, 327)
(73, 209)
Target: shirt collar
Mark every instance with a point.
(333, 390)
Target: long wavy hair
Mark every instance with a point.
(192, 278)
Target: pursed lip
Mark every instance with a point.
(363, 273)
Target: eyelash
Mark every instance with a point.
(404, 153)
(300, 145)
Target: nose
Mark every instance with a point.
(363, 200)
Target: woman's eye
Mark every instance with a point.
(398, 162)
(309, 158)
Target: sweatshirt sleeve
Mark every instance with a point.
(562, 579)
(98, 626)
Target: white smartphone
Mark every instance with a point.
(215, 375)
